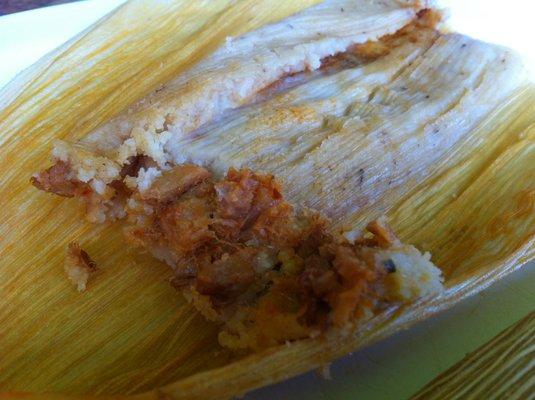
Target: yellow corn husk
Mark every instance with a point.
(131, 333)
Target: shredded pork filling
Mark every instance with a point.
(244, 256)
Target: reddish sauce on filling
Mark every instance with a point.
(237, 241)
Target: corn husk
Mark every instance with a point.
(131, 332)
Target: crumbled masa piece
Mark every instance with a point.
(79, 266)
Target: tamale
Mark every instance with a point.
(435, 199)
(241, 253)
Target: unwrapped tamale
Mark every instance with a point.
(260, 166)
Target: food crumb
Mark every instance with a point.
(79, 266)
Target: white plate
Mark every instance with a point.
(396, 367)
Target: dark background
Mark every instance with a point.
(11, 6)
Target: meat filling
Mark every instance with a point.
(243, 255)
(57, 179)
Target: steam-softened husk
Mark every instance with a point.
(131, 332)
